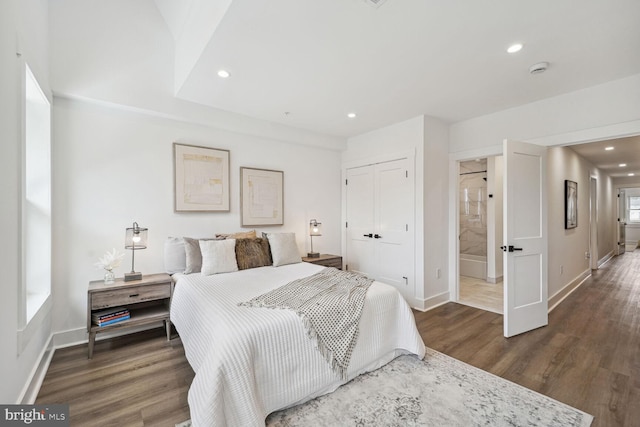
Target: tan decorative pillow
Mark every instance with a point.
(239, 235)
(252, 253)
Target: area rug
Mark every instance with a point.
(436, 391)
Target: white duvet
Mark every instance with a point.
(249, 362)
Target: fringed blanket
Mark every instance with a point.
(330, 304)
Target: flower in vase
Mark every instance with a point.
(110, 260)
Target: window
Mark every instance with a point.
(36, 200)
(634, 209)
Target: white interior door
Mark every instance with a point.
(393, 213)
(360, 211)
(525, 238)
(379, 214)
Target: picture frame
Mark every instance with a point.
(570, 204)
(201, 178)
(261, 197)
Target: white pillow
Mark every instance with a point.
(284, 249)
(218, 256)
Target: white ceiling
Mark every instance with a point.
(319, 60)
(625, 150)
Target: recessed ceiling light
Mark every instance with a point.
(622, 165)
(609, 148)
(631, 174)
(351, 115)
(516, 47)
(223, 73)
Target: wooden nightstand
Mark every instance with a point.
(148, 300)
(327, 260)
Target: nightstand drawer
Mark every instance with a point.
(336, 263)
(130, 295)
(327, 260)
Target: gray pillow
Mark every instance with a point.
(284, 249)
(193, 255)
(175, 259)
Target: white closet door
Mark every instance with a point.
(393, 211)
(360, 220)
(379, 212)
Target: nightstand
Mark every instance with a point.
(148, 300)
(327, 260)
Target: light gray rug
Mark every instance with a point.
(436, 391)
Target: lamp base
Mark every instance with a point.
(128, 277)
(313, 254)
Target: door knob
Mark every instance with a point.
(510, 248)
(377, 236)
(370, 235)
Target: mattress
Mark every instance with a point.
(249, 362)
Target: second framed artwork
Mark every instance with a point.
(261, 197)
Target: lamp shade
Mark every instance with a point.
(315, 228)
(135, 237)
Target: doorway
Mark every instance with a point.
(480, 233)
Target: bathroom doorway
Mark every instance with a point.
(480, 233)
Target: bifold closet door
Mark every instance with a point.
(379, 212)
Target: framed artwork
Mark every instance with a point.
(570, 204)
(201, 179)
(261, 197)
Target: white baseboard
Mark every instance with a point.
(433, 302)
(559, 296)
(495, 280)
(605, 259)
(32, 386)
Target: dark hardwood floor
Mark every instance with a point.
(588, 357)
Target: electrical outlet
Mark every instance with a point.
(587, 255)
(561, 270)
(438, 273)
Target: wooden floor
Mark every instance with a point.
(138, 380)
(588, 357)
(481, 294)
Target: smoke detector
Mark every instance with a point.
(539, 68)
(375, 3)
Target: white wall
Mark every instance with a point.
(113, 167)
(115, 119)
(23, 27)
(428, 139)
(436, 212)
(567, 261)
(494, 219)
(572, 117)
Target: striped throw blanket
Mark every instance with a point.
(330, 304)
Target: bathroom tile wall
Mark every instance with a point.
(473, 207)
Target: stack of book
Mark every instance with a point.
(110, 316)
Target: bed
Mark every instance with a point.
(249, 362)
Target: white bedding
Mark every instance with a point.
(249, 362)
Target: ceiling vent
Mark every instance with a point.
(539, 68)
(375, 3)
